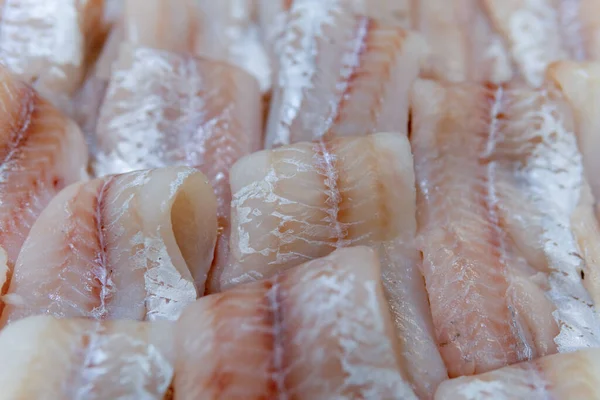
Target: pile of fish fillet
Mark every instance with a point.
(299, 199)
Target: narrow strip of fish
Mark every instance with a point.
(301, 202)
(502, 202)
(166, 109)
(132, 246)
(41, 151)
(340, 74)
(539, 32)
(558, 377)
(229, 32)
(50, 43)
(463, 44)
(319, 331)
(46, 358)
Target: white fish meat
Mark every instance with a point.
(47, 359)
(132, 246)
(558, 377)
(506, 224)
(319, 331)
(340, 74)
(301, 202)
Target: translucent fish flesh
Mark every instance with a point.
(340, 74)
(559, 377)
(228, 31)
(463, 44)
(538, 32)
(319, 331)
(301, 202)
(133, 246)
(504, 220)
(47, 358)
(166, 109)
(50, 43)
(41, 151)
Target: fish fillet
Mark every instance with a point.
(120, 247)
(45, 359)
(319, 331)
(558, 377)
(340, 74)
(50, 43)
(166, 109)
(539, 32)
(502, 200)
(41, 151)
(301, 202)
(463, 44)
(229, 32)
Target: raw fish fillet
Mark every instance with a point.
(50, 43)
(46, 359)
(301, 202)
(166, 109)
(538, 32)
(229, 32)
(41, 151)
(558, 377)
(506, 224)
(319, 331)
(463, 44)
(340, 74)
(120, 247)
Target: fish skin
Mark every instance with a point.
(166, 109)
(318, 331)
(41, 151)
(300, 202)
(340, 74)
(129, 246)
(464, 46)
(50, 44)
(560, 376)
(46, 358)
(539, 32)
(500, 191)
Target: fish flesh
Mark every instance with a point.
(463, 45)
(41, 151)
(559, 377)
(132, 246)
(46, 358)
(502, 207)
(539, 32)
(340, 74)
(228, 31)
(166, 109)
(50, 44)
(300, 202)
(318, 331)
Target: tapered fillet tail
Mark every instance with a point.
(135, 246)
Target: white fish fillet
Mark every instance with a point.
(133, 246)
(319, 331)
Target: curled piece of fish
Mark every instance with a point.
(559, 377)
(47, 358)
(538, 32)
(464, 46)
(340, 74)
(319, 331)
(301, 202)
(166, 109)
(130, 246)
(50, 43)
(41, 151)
(503, 200)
